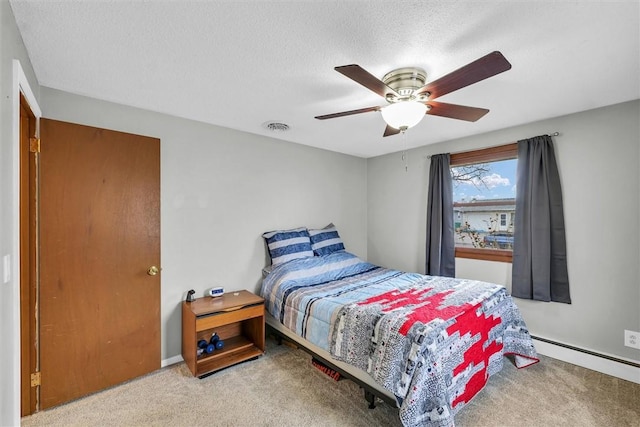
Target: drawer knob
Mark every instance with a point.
(153, 270)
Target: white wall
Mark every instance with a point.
(220, 190)
(11, 47)
(599, 160)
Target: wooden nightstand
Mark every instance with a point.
(238, 319)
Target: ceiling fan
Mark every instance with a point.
(410, 98)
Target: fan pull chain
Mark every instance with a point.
(405, 156)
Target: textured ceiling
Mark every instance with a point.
(239, 64)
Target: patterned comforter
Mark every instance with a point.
(431, 341)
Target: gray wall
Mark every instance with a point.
(220, 190)
(599, 159)
(11, 47)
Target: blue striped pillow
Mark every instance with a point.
(285, 245)
(326, 240)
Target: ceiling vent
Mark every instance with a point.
(276, 126)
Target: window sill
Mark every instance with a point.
(485, 254)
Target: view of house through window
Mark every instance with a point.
(484, 204)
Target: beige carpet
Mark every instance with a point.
(282, 388)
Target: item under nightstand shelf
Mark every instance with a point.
(236, 317)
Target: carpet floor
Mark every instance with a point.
(282, 388)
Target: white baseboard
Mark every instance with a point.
(171, 361)
(595, 363)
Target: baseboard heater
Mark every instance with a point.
(589, 352)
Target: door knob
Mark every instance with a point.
(153, 270)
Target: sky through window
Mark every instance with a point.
(498, 181)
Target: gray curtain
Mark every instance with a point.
(440, 244)
(539, 250)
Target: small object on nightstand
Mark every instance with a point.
(216, 292)
(190, 297)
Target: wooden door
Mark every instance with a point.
(100, 234)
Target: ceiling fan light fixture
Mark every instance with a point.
(404, 114)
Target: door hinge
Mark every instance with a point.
(34, 145)
(35, 379)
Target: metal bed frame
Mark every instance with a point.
(358, 376)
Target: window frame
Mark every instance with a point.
(485, 155)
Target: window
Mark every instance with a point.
(484, 185)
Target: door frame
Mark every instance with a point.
(21, 88)
(29, 264)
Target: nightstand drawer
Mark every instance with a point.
(219, 319)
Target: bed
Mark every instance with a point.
(427, 343)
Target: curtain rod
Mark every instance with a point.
(457, 152)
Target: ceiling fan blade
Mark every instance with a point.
(478, 70)
(366, 79)
(454, 111)
(388, 131)
(348, 113)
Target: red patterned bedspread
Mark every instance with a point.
(433, 345)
